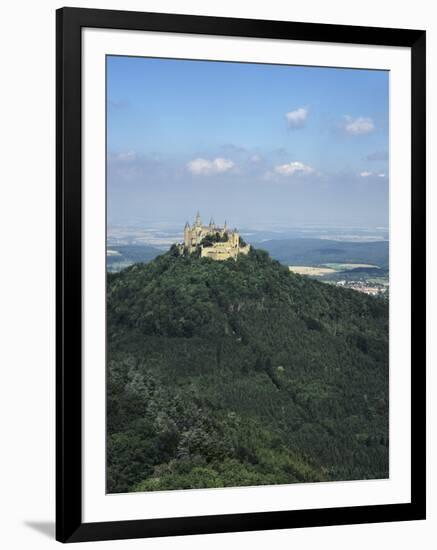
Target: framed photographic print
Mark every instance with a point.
(240, 274)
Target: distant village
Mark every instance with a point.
(372, 285)
(363, 286)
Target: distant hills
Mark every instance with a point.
(300, 251)
(120, 256)
(241, 373)
(321, 251)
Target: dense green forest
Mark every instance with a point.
(241, 373)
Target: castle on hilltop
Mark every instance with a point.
(212, 241)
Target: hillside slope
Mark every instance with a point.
(242, 373)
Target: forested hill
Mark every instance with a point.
(242, 373)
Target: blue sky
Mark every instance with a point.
(246, 142)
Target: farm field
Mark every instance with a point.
(310, 270)
(348, 266)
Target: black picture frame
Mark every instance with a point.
(69, 525)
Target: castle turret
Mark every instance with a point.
(187, 235)
(198, 221)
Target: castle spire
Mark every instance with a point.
(211, 222)
(198, 220)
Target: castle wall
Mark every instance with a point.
(218, 251)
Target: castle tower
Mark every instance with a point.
(187, 235)
(198, 221)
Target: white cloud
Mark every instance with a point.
(297, 118)
(127, 156)
(293, 168)
(367, 174)
(358, 126)
(202, 166)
